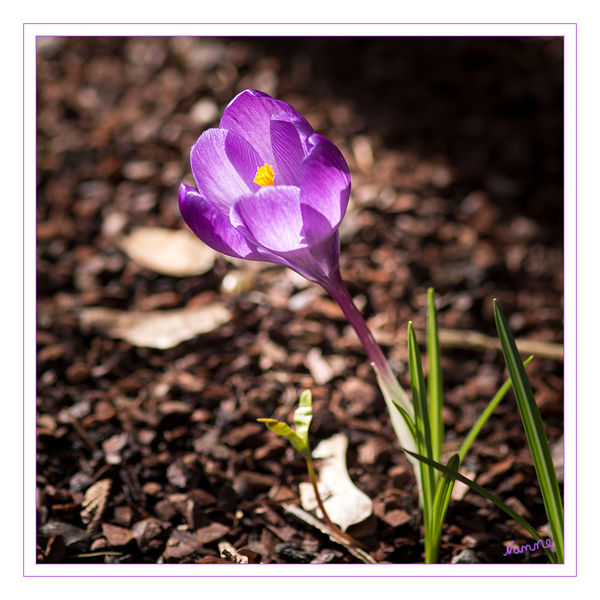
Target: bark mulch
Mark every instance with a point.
(154, 455)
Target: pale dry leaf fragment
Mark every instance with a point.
(204, 111)
(113, 446)
(460, 489)
(178, 253)
(318, 366)
(157, 328)
(308, 518)
(94, 503)
(237, 282)
(227, 551)
(345, 504)
(557, 451)
(363, 153)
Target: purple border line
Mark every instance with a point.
(576, 303)
(308, 23)
(23, 300)
(417, 565)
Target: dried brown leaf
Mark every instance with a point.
(344, 502)
(94, 503)
(156, 329)
(171, 252)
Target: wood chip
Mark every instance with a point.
(397, 518)
(314, 522)
(174, 407)
(180, 544)
(56, 549)
(116, 536)
(244, 435)
(145, 531)
(74, 537)
(211, 533)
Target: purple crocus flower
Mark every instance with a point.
(271, 189)
(268, 188)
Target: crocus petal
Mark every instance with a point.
(289, 142)
(316, 263)
(272, 223)
(212, 225)
(224, 165)
(249, 115)
(271, 218)
(325, 189)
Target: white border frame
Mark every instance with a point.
(566, 30)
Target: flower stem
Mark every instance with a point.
(334, 528)
(338, 291)
(391, 389)
(387, 380)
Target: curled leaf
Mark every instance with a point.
(345, 504)
(303, 415)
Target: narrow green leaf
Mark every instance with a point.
(443, 490)
(480, 490)
(434, 378)
(441, 500)
(285, 430)
(534, 431)
(419, 394)
(485, 415)
(407, 420)
(417, 384)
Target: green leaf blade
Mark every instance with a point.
(419, 395)
(434, 378)
(534, 431)
(441, 500)
(491, 497)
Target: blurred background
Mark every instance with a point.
(155, 356)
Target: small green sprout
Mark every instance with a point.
(302, 419)
(298, 438)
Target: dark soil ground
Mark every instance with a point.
(455, 148)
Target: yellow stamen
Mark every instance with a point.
(264, 175)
